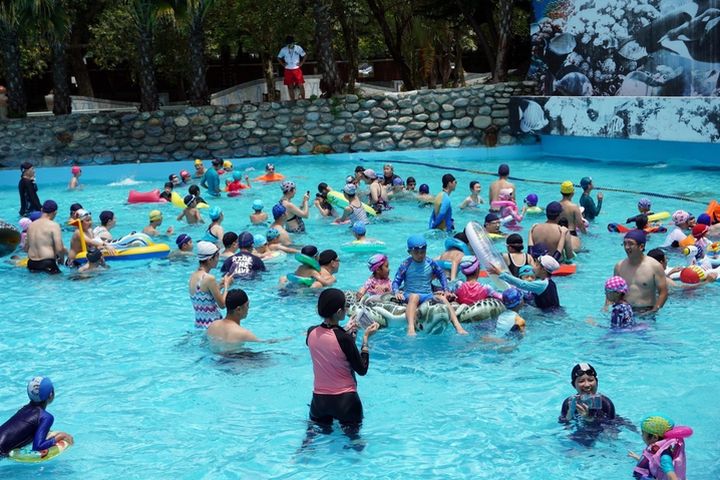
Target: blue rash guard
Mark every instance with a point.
(442, 220)
(416, 277)
(30, 424)
(211, 181)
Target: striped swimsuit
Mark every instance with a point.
(206, 309)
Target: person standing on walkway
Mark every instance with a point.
(292, 57)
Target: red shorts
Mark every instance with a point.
(293, 77)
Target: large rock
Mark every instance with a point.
(361, 146)
(378, 113)
(462, 122)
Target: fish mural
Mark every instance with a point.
(532, 118)
(618, 47)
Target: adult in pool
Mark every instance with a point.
(279, 213)
(215, 232)
(441, 216)
(355, 211)
(515, 256)
(543, 287)
(227, 332)
(647, 287)
(107, 222)
(43, 243)
(294, 217)
(336, 359)
(329, 266)
(32, 423)
(591, 210)
(206, 295)
(501, 183)
(211, 179)
(29, 201)
(473, 200)
(552, 234)
(75, 179)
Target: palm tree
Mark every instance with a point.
(13, 19)
(194, 13)
(331, 81)
(145, 15)
(505, 9)
(53, 22)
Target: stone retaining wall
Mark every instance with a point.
(420, 119)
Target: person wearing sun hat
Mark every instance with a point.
(206, 295)
(591, 210)
(647, 286)
(571, 214)
(32, 423)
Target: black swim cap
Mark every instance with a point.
(327, 256)
(235, 298)
(581, 369)
(514, 240)
(504, 170)
(330, 301)
(462, 237)
(309, 250)
(93, 255)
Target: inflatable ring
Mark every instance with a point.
(156, 250)
(452, 242)
(145, 197)
(679, 432)
(270, 177)
(338, 200)
(9, 238)
(304, 281)
(484, 250)
(495, 236)
(619, 228)
(276, 257)
(534, 210)
(24, 455)
(178, 201)
(363, 247)
(309, 261)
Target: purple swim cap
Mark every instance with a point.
(531, 200)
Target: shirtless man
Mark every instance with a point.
(552, 234)
(502, 182)
(647, 287)
(43, 243)
(329, 265)
(76, 245)
(571, 213)
(227, 332)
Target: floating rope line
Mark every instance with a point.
(548, 182)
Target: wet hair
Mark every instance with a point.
(462, 237)
(327, 256)
(168, 185)
(473, 183)
(410, 180)
(194, 190)
(322, 186)
(447, 178)
(229, 238)
(641, 221)
(657, 254)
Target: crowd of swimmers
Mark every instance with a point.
(638, 287)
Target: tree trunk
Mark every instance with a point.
(267, 65)
(346, 16)
(149, 99)
(505, 20)
(199, 93)
(331, 82)
(17, 103)
(477, 28)
(459, 74)
(77, 65)
(394, 44)
(62, 105)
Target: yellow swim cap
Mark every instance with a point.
(567, 187)
(198, 161)
(155, 215)
(227, 164)
(656, 425)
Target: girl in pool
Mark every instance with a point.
(622, 313)
(473, 200)
(472, 291)
(234, 187)
(664, 457)
(75, 180)
(379, 282)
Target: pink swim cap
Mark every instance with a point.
(75, 170)
(376, 261)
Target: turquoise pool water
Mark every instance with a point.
(145, 398)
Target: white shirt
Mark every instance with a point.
(677, 235)
(291, 56)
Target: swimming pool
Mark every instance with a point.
(145, 398)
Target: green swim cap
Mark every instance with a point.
(656, 424)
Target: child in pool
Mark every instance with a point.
(75, 179)
(472, 291)
(190, 213)
(473, 200)
(166, 194)
(508, 209)
(195, 190)
(258, 217)
(273, 239)
(587, 403)
(199, 168)
(621, 314)
(508, 322)
(262, 249)
(379, 282)
(664, 456)
(32, 423)
(234, 187)
(423, 196)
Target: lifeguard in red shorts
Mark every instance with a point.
(292, 57)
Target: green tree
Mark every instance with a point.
(331, 81)
(51, 19)
(13, 19)
(504, 19)
(400, 14)
(347, 13)
(193, 13)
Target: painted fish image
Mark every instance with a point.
(697, 39)
(574, 84)
(532, 119)
(562, 44)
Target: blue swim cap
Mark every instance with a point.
(259, 240)
(704, 219)
(512, 297)
(39, 389)
(359, 228)
(257, 205)
(272, 233)
(215, 213)
(34, 216)
(525, 270)
(237, 175)
(278, 210)
(416, 241)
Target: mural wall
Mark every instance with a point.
(626, 47)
